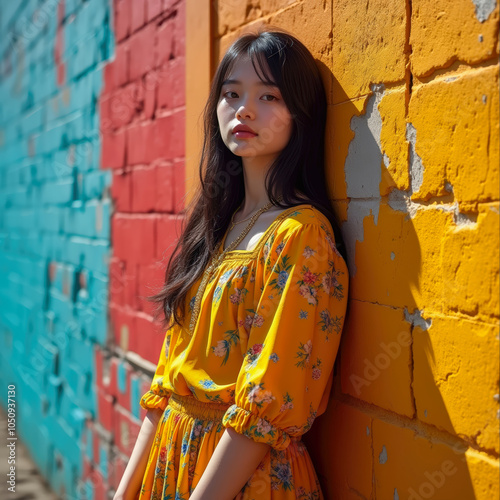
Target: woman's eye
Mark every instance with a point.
(233, 95)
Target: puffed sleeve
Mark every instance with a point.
(287, 372)
(157, 396)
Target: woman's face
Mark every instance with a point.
(246, 100)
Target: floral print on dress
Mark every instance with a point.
(256, 394)
(253, 354)
(223, 347)
(264, 346)
(282, 272)
(304, 353)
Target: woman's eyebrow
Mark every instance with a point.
(238, 82)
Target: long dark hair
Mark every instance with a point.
(280, 58)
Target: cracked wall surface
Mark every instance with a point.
(413, 170)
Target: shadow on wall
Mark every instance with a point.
(397, 406)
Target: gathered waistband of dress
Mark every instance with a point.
(199, 409)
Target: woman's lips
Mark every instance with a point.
(241, 134)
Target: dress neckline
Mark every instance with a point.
(264, 236)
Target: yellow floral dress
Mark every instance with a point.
(260, 360)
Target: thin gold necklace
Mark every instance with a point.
(217, 259)
(240, 221)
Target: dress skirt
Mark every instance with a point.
(185, 440)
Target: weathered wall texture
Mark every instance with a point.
(413, 167)
(91, 194)
(91, 183)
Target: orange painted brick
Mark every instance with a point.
(338, 136)
(376, 357)
(384, 270)
(444, 31)
(394, 146)
(470, 265)
(456, 378)
(410, 467)
(340, 444)
(456, 122)
(369, 42)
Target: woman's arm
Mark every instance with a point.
(234, 460)
(131, 480)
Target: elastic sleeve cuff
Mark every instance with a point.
(259, 429)
(151, 400)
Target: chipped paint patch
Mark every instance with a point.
(483, 9)
(353, 229)
(364, 158)
(416, 165)
(461, 220)
(416, 319)
(382, 458)
(387, 161)
(363, 172)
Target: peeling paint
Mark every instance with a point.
(484, 8)
(393, 255)
(416, 165)
(461, 220)
(387, 161)
(416, 319)
(363, 172)
(398, 199)
(382, 458)
(367, 431)
(396, 495)
(364, 157)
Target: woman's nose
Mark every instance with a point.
(244, 111)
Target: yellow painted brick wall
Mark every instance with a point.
(413, 167)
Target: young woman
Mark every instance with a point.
(255, 293)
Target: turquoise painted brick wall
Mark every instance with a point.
(55, 212)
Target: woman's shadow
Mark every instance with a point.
(387, 431)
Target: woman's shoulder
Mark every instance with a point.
(301, 218)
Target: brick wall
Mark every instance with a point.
(413, 167)
(91, 196)
(91, 187)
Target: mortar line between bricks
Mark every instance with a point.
(456, 67)
(264, 19)
(428, 432)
